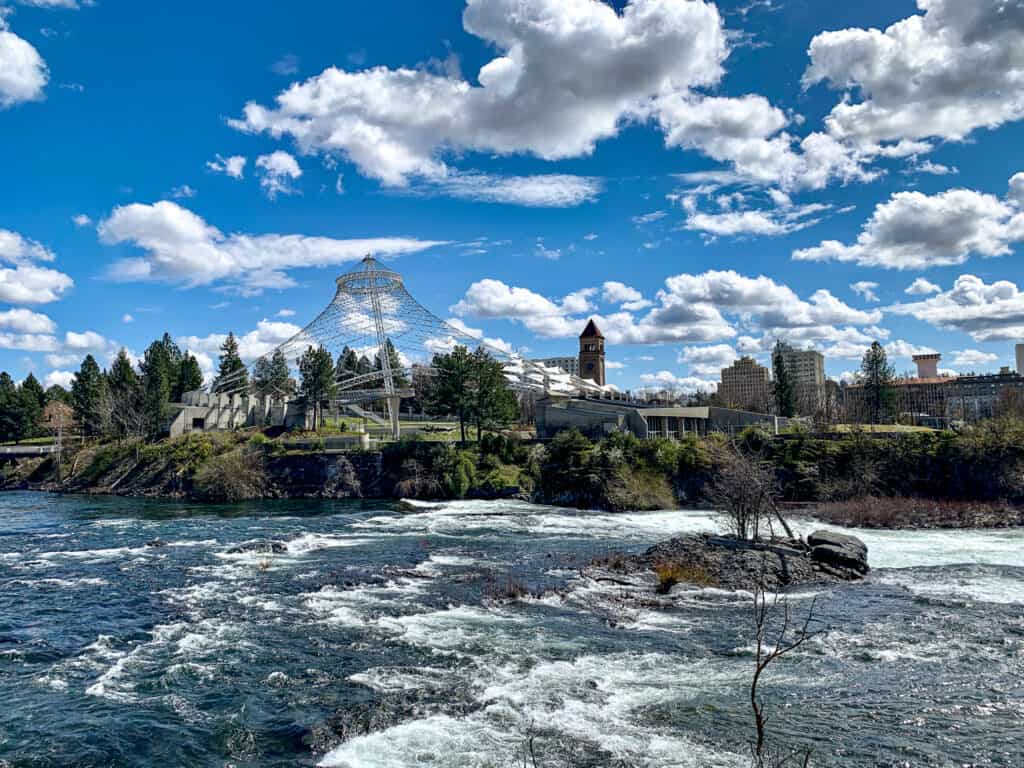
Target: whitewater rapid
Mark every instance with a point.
(119, 617)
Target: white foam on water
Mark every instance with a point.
(959, 586)
(391, 679)
(97, 555)
(63, 583)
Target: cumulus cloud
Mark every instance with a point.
(971, 358)
(277, 171)
(26, 321)
(628, 297)
(915, 231)
(23, 73)
(81, 220)
(866, 289)
(59, 378)
(922, 287)
(233, 166)
(708, 360)
(684, 385)
(690, 309)
(763, 222)
(264, 338)
(943, 73)
(986, 311)
(568, 74)
(180, 247)
(25, 282)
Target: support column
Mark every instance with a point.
(394, 408)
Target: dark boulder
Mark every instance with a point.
(259, 547)
(838, 551)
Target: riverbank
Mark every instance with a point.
(920, 480)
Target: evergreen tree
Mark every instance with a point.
(451, 391)
(89, 398)
(783, 389)
(493, 403)
(877, 376)
(126, 398)
(272, 378)
(364, 366)
(398, 376)
(348, 365)
(232, 374)
(57, 394)
(30, 402)
(156, 389)
(10, 419)
(190, 376)
(174, 361)
(318, 384)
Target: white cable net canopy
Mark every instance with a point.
(372, 307)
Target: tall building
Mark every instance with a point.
(806, 369)
(592, 354)
(746, 384)
(1019, 349)
(927, 365)
(570, 365)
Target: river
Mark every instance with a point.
(115, 652)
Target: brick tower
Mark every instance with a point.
(592, 354)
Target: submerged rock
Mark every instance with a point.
(259, 547)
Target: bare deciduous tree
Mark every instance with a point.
(771, 645)
(745, 489)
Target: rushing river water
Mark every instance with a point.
(114, 652)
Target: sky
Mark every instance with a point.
(701, 178)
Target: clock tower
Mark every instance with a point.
(592, 354)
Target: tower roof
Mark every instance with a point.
(591, 331)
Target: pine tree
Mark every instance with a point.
(493, 403)
(318, 384)
(394, 363)
(174, 360)
(364, 366)
(877, 376)
(31, 383)
(782, 388)
(348, 364)
(55, 393)
(156, 389)
(126, 398)
(190, 376)
(10, 419)
(31, 399)
(271, 378)
(451, 391)
(232, 375)
(89, 398)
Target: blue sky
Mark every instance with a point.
(702, 178)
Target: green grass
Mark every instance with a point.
(881, 428)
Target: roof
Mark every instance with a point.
(591, 331)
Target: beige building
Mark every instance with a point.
(746, 384)
(570, 365)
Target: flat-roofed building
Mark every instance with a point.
(570, 365)
(746, 384)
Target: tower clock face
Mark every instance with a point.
(590, 366)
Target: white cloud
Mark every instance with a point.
(183, 192)
(970, 358)
(690, 308)
(708, 360)
(233, 166)
(81, 220)
(27, 282)
(29, 342)
(277, 172)
(649, 218)
(630, 298)
(592, 236)
(756, 222)
(59, 378)
(915, 231)
(127, 318)
(65, 4)
(23, 73)
(553, 190)
(986, 311)
(942, 74)
(551, 254)
(922, 287)
(286, 313)
(286, 65)
(267, 335)
(904, 349)
(934, 169)
(26, 321)
(568, 74)
(866, 289)
(686, 385)
(180, 247)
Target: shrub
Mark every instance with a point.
(670, 574)
(232, 476)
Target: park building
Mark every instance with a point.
(746, 384)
